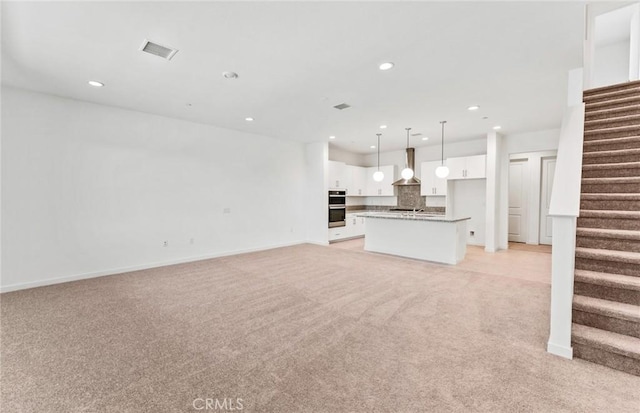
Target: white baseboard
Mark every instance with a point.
(94, 274)
(562, 351)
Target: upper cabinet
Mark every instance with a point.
(468, 167)
(358, 184)
(337, 175)
(358, 180)
(431, 185)
(384, 187)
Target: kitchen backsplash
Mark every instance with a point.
(408, 197)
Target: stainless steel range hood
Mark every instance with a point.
(411, 163)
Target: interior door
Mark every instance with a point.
(548, 171)
(518, 200)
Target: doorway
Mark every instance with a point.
(530, 184)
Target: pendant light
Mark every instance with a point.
(378, 175)
(407, 173)
(442, 171)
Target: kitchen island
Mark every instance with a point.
(428, 237)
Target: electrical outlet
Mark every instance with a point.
(472, 233)
(165, 244)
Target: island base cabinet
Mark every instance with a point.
(437, 241)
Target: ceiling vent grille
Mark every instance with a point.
(158, 50)
(342, 106)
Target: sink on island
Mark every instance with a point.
(429, 237)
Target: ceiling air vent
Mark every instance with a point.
(342, 106)
(158, 50)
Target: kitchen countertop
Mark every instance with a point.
(419, 216)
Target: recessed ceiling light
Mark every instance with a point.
(96, 83)
(386, 66)
(426, 138)
(332, 137)
(249, 119)
(383, 126)
(497, 127)
(474, 107)
(372, 146)
(230, 75)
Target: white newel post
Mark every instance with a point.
(562, 268)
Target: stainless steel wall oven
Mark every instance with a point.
(337, 209)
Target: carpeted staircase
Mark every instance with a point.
(606, 302)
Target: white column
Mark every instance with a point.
(494, 150)
(317, 198)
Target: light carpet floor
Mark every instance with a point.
(297, 329)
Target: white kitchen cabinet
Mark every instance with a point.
(358, 183)
(339, 233)
(356, 225)
(431, 185)
(385, 187)
(354, 228)
(468, 167)
(337, 172)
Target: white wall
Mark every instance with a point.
(611, 64)
(89, 189)
(349, 158)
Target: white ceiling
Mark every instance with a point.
(298, 59)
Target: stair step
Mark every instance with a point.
(611, 156)
(606, 286)
(631, 215)
(612, 103)
(632, 90)
(612, 122)
(611, 170)
(626, 142)
(608, 233)
(621, 311)
(611, 180)
(611, 88)
(608, 239)
(608, 280)
(610, 196)
(613, 350)
(621, 318)
(608, 255)
(616, 131)
(622, 184)
(607, 219)
(606, 340)
(614, 112)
